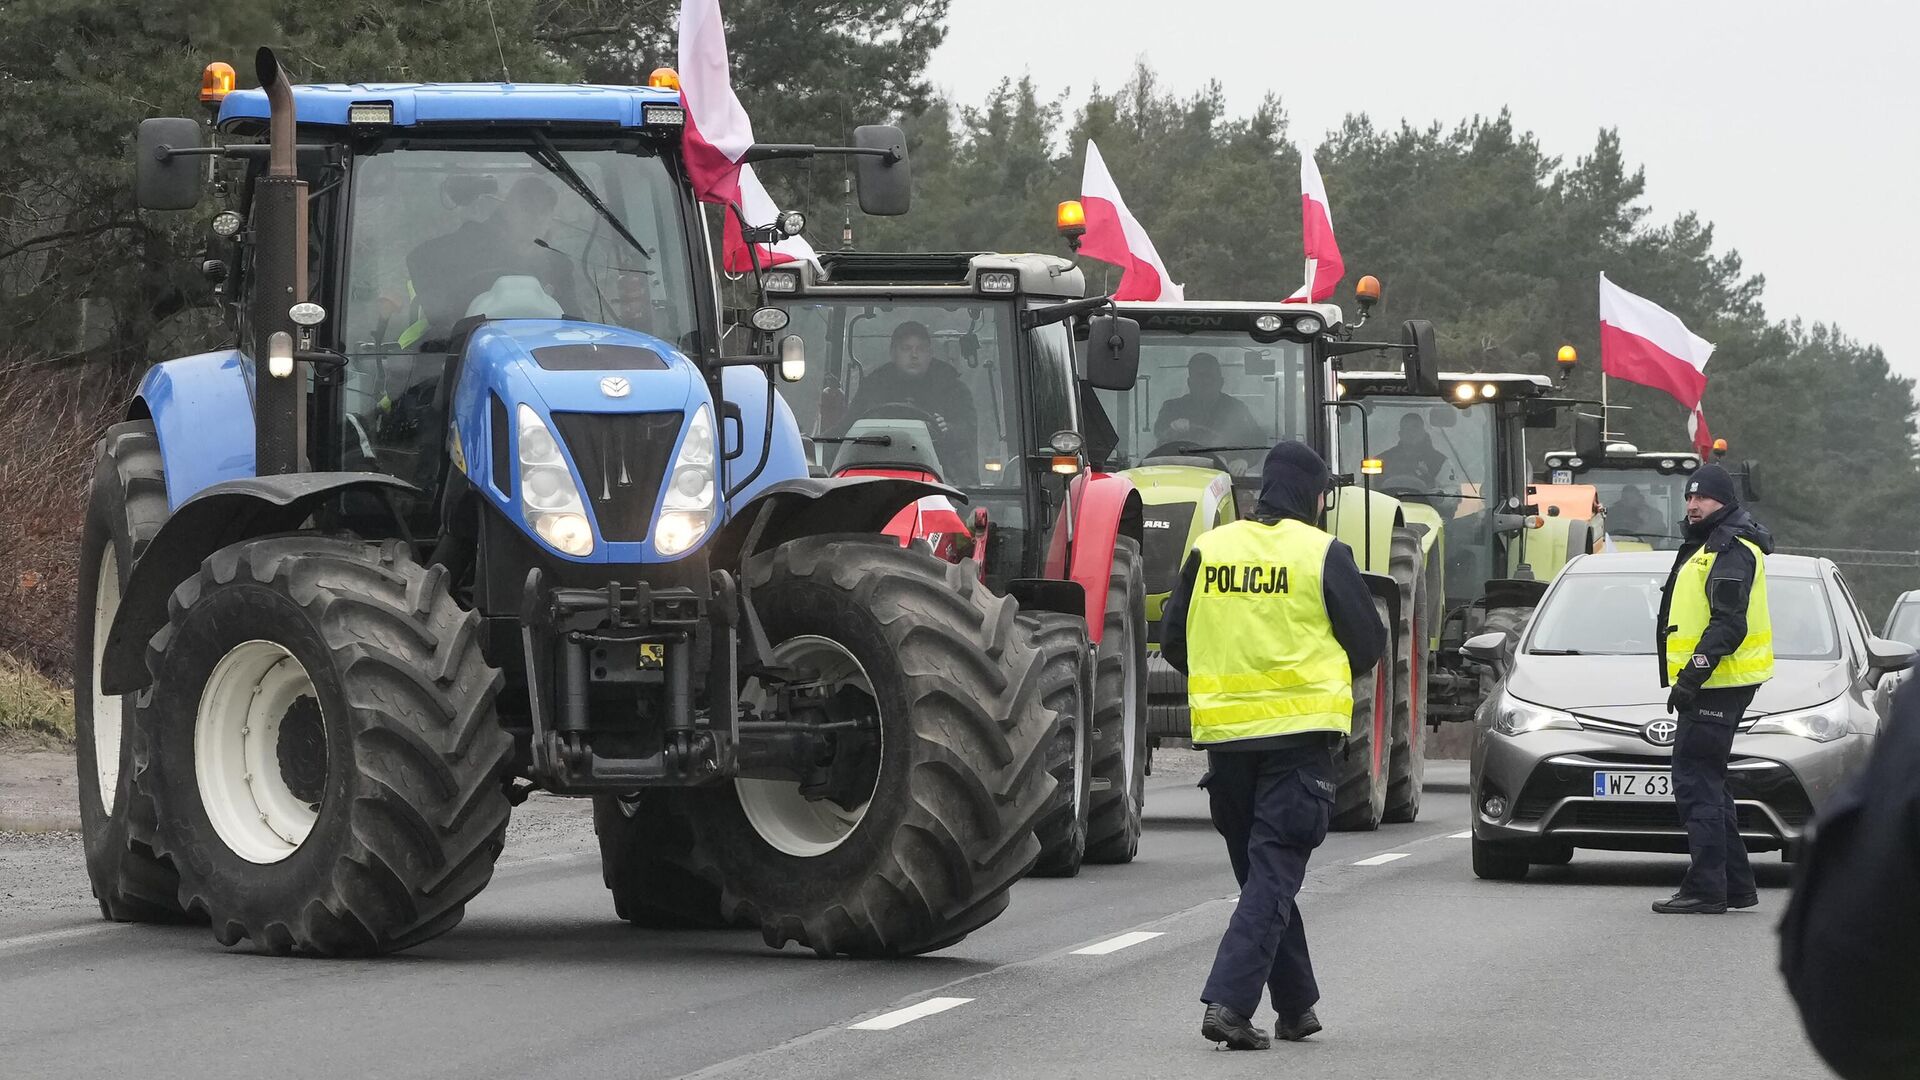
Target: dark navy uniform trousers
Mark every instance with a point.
(1719, 866)
(1272, 808)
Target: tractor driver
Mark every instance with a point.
(929, 386)
(446, 274)
(1634, 514)
(1207, 413)
(1415, 456)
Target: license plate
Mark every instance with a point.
(1633, 786)
(652, 656)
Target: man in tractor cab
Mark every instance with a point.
(913, 376)
(1270, 622)
(1415, 456)
(1207, 414)
(447, 274)
(1634, 514)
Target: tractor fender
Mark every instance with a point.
(1515, 592)
(1365, 520)
(1386, 590)
(812, 506)
(225, 513)
(179, 396)
(1106, 507)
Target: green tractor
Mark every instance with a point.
(1458, 463)
(1219, 383)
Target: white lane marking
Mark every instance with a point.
(1468, 835)
(1124, 941)
(889, 1021)
(1379, 860)
(26, 941)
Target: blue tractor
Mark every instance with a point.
(478, 505)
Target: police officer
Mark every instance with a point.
(1717, 646)
(1271, 622)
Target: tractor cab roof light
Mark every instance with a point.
(782, 281)
(216, 82)
(998, 281)
(663, 116)
(370, 113)
(663, 78)
(1463, 392)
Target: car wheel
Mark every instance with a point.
(1551, 855)
(1497, 862)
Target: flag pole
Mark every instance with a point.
(1606, 416)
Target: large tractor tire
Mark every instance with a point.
(961, 767)
(1360, 803)
(321, 748)
(646, 860)
(1408, 769)
(1509, 621)
(1120, 713)
(1066, 671)
(125, 508)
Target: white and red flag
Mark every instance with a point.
(1325, 267)
(1644, 343)
(718, 131)
(1115, 236)
(760, 210)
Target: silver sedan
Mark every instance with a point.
(1574, 749)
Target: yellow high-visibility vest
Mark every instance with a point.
(1749, 665)
(1261, 656)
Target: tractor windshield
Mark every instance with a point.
(1219, 394)
(1643, 504)
(1437, 455)
(440, 234)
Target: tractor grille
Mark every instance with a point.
(623, 461)
(1165, 547)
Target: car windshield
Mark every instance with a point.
(1221, 392)
(1439, 455)
(1590, 614)
(1904, 626)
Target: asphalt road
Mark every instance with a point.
(1426, 972)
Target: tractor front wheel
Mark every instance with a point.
(1360, 803)
(323, 757)
(1409, 659)
(1120, 713)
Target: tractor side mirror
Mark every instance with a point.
(1113, 352)
(885, 182)
(1489, 648)
(1423, 357)
(1588, 440)
(1749, 482)
(163, 180)
(1540, 414)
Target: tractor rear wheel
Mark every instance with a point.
(1120, 713)
(958, 775)
(1409, 762)
(646, 860)
(324, 759)
(1360, 802)
(126, 506)
(1066, 668)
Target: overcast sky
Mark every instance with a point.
(1795, 129)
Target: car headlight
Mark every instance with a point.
(548, 496)
(687, 511)
(1823, 724)
(1515, 717)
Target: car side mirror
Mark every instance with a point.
(1422, 357)
(1489, 648)
(1113, 352)
(1885, 657)
(885, 181)
(163, 180)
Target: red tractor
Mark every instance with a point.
(960, 369)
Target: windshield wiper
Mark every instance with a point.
(1555, 652)
(556, 163)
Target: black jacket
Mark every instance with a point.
(1728, 586)
(1356, 625)
(1851, 933)
(940, 393)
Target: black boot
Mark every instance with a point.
(1743, 900)
(1223, 1025)
(1297, 1028)
(1682, 904)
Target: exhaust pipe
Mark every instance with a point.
(279, 282)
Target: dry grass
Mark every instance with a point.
(32, 705)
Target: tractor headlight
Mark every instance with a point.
(687, 511)
(548, 496)
(1823, 724)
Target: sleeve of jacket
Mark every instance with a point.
(1728, 586)
(1350, 608)
(1173, 615)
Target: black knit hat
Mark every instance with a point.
(1714, 483)
(1292, 479)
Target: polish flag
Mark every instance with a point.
(1644, 343)
(1325, 268)
(1697, 429)
(718, 132)
(1115, 236)
(760, 210)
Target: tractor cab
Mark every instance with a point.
(1644, 491)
